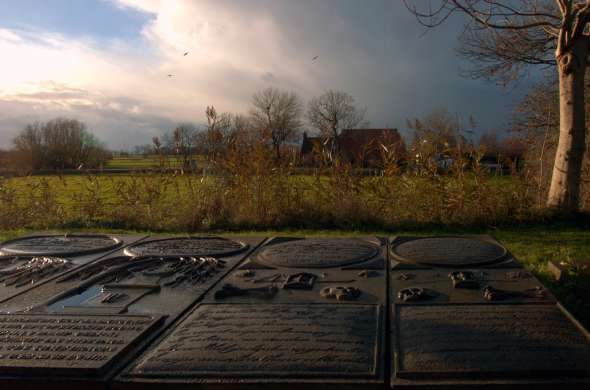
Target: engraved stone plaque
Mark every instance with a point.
(68, 245)
(112, 285)
(274, 340)
(67, 345)
(318, 253)
(449, 251)
(463, 341)
(18, 273)
(187, 246)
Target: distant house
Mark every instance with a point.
(507, 158)
(361, 147)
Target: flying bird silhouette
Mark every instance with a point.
(315, 58)
(170, 75)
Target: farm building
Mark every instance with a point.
(361, 147)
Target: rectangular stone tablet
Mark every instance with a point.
(29, 263)
(273, 340)
(67, 345)
(488, 341)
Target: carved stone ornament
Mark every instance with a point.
(341, 293)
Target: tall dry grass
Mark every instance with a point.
(251, 190)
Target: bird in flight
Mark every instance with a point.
(170, 75)
(315, 58)
(186, 53)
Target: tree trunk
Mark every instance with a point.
(335, 144)
(564, 193)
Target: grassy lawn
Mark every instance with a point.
(147, 162)
(136, 162)
(533, 246)
(108, 187)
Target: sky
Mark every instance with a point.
(106, 62)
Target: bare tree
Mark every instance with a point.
(216, 138)
(332, 112)
(489, 140)
(242, 134)
(440, 128)
(184, 137)
(159, 151)
(59, 144)
(504, 37)
(28, 146)
(278, 115)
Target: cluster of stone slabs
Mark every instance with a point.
(223, 313)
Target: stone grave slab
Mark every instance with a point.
(467, 285)
(318, 253)
(187, 246)
(449, 252)
(143, 284)
(29, 262)
(330, 266)
(66, 245)
(267, 344)
(466, 314)
(486, 345)
(435, 274)
(120, 286)
(67, 345)
(110, 271)
(306, 317)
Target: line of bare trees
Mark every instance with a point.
(275, 118)
(56, 145)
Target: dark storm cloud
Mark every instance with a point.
(374, 50)
(378, 52)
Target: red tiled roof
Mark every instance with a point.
(358, 143)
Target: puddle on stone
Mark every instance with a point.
(75, 300)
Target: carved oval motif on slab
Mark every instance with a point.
(61, 245)
(187, 246)
(318, 253)
(449, 251)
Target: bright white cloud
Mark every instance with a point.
(143, 5)
(230, 57)
(122, 90)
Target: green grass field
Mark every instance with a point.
(137, 162)
(148, 162)
(109, 191)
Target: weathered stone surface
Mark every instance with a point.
(111, 286)
(318, 253)
(187, 246)
(488, 341)
(67, 345)
(448, 251)
(21, 273)
(148, 284)
(60, 245)
(440, 287)
(262, 341)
